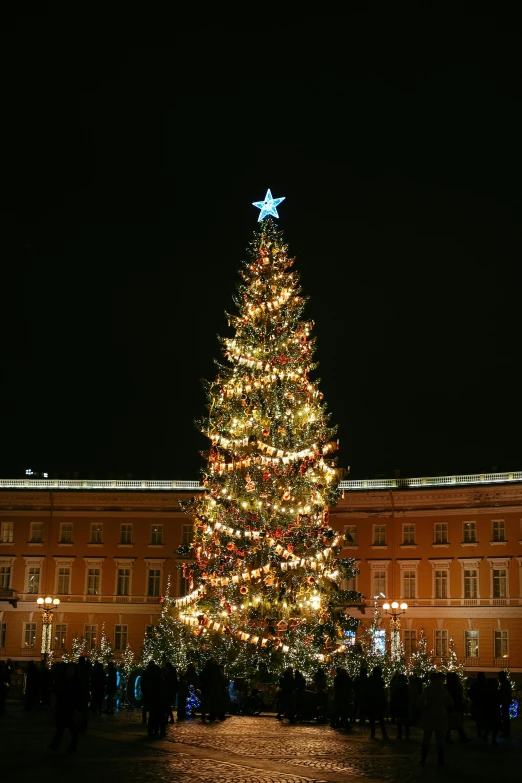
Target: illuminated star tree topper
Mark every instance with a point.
(268, 206)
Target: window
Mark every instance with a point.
(6, 532)
(60, 636)
(498, 530)
(66, 533)
(120, 637)
(93, 581)
(29, 635)
(410, 642)
(91, 633)
(123, 584)
(350, 534)
(187, 535)
(183, 586)
(501, 644)
(379, 641)
(33, 579)
(126, 534)
(3, 633)
(469, 532)
(441, 533)
(471, 639)
(154, 581)
(156, 536)
(441, 583)
(379, 535)
(408, 534)
(149, 631)
(36, 533)
(5, 577)
(96, 533)
(349, 584)
(349, 638)
(441, 644)
(64, 578)
(499, 583)
(470, 583)
(409, 583)
(379, 582)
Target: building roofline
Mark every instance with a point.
(136, 485)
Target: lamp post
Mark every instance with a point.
(395, 624)
(47, 605)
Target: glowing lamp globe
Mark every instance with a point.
(39, 601)
(395, 605)
(48, 600)
(404, 606)
(56, 601)
(386, 606)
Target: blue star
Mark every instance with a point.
(268, 206)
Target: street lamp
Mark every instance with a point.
(47, 605)
(395, 624)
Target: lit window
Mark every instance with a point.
(36, 533)
(120, 637)
(126, 534)
(499, 530)
(499, 583)
(501, 644)
(66, 533)
(441, 583)
(91, 634)
(410, 642)
(29, 635)
(123, 586)
(96, 533)
(441, 643)
(350, 534)
(154, 581)
(349, 638)
(441, 533)
(5, 577)
(379, 535)
(64, 578)
(409, 583)
(469, 532)
(93, 581)
(379, 641)
(470, 583)
(156, 536)
(408, 534)
(472, 644)
(6, 532)
(33, 579)
(60, 636)
(379, 582)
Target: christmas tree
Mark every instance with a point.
(421, 661)
(265, 576)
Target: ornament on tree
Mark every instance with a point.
(249, 486)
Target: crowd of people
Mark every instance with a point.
(436, 704)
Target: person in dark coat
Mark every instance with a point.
(454, 688)
(4, 686)
(155, 699)
(400, 705)
(477, 695)
(361, 695)
(377, 702)
(32, 687)
(112, 687)
(97, 688)
(286, 696)
(69, 704)
(211, 685)
(343, 696)
(492, 710)
(436, 705)
(171, 685)
(505, 702)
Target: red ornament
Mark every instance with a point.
(290, 547)
(266, 476)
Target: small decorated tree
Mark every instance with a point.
(102, 654)
(77, 650)
(421, 661)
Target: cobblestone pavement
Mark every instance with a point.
(239, 750)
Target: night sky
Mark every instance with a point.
(128, 181)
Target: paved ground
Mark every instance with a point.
(240, 750)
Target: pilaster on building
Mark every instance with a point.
(451, 547)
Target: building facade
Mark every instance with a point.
(451, 548)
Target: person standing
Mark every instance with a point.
(436, 705)
(112, 687)
(492, 710)
(69, 705)
(400, 705)
(377, 702)
(456, 721)
(505, 702)
(171, 684)
(477, 695)
(361, 695)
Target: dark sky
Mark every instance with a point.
(128, 178)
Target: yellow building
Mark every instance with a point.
(450, 547)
